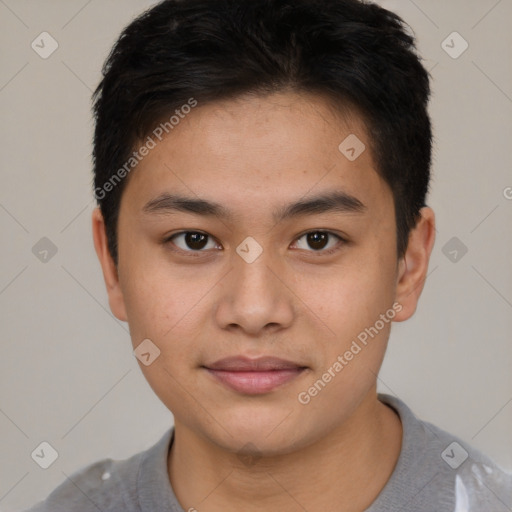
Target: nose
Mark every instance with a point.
(254, 296)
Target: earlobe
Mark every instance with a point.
(413, 267)
(110, 273)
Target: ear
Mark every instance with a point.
(110, 274)
(413, 266)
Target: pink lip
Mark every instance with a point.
(254, 376)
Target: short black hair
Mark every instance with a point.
(179, 52)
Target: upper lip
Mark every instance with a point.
(246, 364)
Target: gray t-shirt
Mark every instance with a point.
(435, 472)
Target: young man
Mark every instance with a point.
(261, 169)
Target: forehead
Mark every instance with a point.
(260, 151)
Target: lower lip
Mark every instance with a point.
(255, 383)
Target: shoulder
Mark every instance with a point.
(440, 469)
(103, 485)
(108, 485)
(474, 480)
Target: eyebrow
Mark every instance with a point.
(337, 201)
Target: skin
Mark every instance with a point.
(254, 155)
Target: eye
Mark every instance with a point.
(192, 241)
(319, 241)
(324, 242)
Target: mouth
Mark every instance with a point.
(254, 376)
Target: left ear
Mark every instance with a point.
(413, 266)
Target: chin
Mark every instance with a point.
(261, 431)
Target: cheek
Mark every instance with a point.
(157, 300)
(164, 305)
(354, 348)
(163, 308)
(353, 294)
(350, 302)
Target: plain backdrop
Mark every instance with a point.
(67, 372)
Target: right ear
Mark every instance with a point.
(110, 275)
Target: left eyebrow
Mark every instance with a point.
(337, 201)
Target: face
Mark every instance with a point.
(246, 233)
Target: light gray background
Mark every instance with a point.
(67, 371)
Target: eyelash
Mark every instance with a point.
(197, 253)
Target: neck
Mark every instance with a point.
(344, 470)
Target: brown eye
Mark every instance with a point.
(191, 241)
(319, 241)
